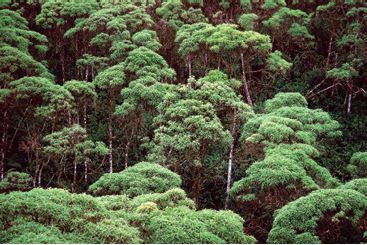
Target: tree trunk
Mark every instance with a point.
(329, 52)
(3, 146)
(85, 116)
(110, 135)
(127, 154)
(230, 159)
(189, 66)
(349, 102)
(35, 177)
(85, 126)
(40, 176)
(74, 174)
(85, 171)
(246, 92)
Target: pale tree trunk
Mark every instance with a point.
(246, 92)
(329, 52)
(35, 177)
(85, 126)
(127, 154)
(349, 102)
(85, 116)
(230, 159)
(110, 135)
(189, 66)
(85, 171)
(3, 146)
(74, 174)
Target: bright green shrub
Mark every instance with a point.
(23, 231)
(16, 181)
(184, 225)
(358, 165)
(142, 178)
(359, 185)
(337, 212)
(115, 202)
(172, 198)
(225, 224)
(110, 231)
(44, 215)
(51, 207)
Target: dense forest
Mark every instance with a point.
(183, 121)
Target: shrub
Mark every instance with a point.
(323, 216)
(142, 178)
(16, 181)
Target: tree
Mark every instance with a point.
(142, 178)
(345, 41)
(71, 143)
(111, 81)
(324, 216)
(42, 215)
(15, 181)
(289, 132)
(57, 18)
(227, 40)
(217, 89)
(182, 224)
(186, 129)
(84, 95)
(358, 165)
(191, 40)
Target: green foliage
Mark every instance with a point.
(145, 62)
(173, 12)
(148, 39)
(172, 198)
(359, 185)
(112, 78)
(182, 225)
(246, 21)
(187, 125)
(142, 178)
(358, 165)
(16, 181)
(42, 215)
(277, 64)
(298, 221)
(345, 72)
(288, 120)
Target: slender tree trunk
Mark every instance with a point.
(246, 92)
(189, 66)
(110, 135)
(69, 117)
(40, 175)
(35, 177)
(85, 171)
(127, 154)
(85, 116)
(329, 52)
(3, 146)
(74, 174)
(230, 159)
(85, 126)
(349, 102)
